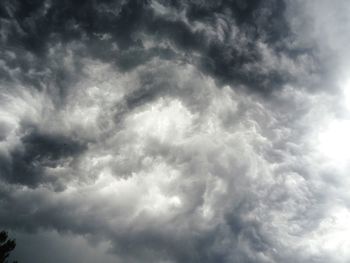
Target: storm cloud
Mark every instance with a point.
(175, 131)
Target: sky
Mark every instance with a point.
(174, 131)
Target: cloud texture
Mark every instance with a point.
(175, 131)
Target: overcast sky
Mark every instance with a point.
(161, 131)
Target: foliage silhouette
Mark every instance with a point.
(6, 246)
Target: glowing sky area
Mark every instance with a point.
(161, 131)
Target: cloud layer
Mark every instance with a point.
(175, 131)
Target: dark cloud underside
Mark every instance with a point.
(225, 45)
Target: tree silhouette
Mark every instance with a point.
(6, 246)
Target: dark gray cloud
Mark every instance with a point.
(174, 131)
(224, 38)
(27, 164)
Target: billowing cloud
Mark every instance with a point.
(175, 131)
